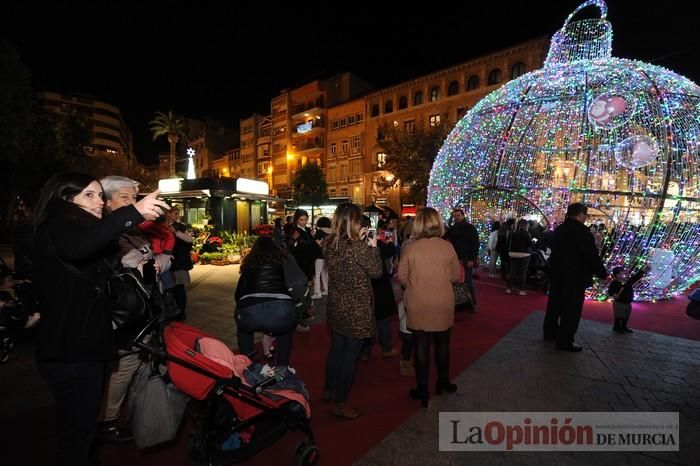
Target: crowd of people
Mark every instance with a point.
(367, 272)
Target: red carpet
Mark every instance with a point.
(378, 390)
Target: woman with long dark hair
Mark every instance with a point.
(263, 302)
(352, 263)
(75, 247)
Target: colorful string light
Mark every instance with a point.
(619, 135)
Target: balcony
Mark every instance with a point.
(312, 127)
(309, 109)
(309, 146)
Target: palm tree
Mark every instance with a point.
(172, 126)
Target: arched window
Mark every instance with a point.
(434, 93)
(375, 110)
(494, 76)
(418, 98)
(517, 70)
(388, 106)
(473, 82)
(453, 88)
(403, 102)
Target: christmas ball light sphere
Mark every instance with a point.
(619, 135)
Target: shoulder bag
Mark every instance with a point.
(298, 285)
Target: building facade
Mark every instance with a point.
(345, 161)
(110, 135)
(336, 124)
(439, 98)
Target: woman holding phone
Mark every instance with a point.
(353, 261)
(76, 339)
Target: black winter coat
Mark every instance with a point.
(465, 239)
(305, 250)
(574, 258)
(76, 322)
(384, 302)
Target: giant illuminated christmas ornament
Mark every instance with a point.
(619, 135)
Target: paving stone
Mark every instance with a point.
(643, 373)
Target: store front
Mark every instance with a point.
(229, 204)
(327, 209)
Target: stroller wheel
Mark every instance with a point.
(306, 455)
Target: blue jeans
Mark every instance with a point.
(341, 363)
(276, 317)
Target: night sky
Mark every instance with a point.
(226, 61)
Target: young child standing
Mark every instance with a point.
(622, 293)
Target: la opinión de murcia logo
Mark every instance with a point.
(559, 431)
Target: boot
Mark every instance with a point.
(406, 368)
(346, 411)
(446, 386)
(420, 393)
(623, 325)
(110, 432)
(618, 326)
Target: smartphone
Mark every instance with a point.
(149, 272)
(371, 232)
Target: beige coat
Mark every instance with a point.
(427, 269)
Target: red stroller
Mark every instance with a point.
(230, 406)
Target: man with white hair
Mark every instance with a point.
(134, 252)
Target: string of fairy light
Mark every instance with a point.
(619, 135)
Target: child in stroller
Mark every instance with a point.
(14, 314)
(244, 411)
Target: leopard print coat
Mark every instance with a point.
(351, 267)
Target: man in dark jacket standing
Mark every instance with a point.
(573, 262)
(465, 240)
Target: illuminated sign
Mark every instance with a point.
(304, 127)
(169, 185)
(244, 185)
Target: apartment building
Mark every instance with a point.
(345, 161)
(335, 123)
(110, 135)
(439, 98)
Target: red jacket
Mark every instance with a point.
(160, 235)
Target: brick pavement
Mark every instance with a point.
(634, 372)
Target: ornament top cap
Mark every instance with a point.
(586, 39)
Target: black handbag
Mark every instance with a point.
(298, 286)
(129, 298)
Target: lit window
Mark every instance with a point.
(381, 159)
(434, 93)
(435, 120)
